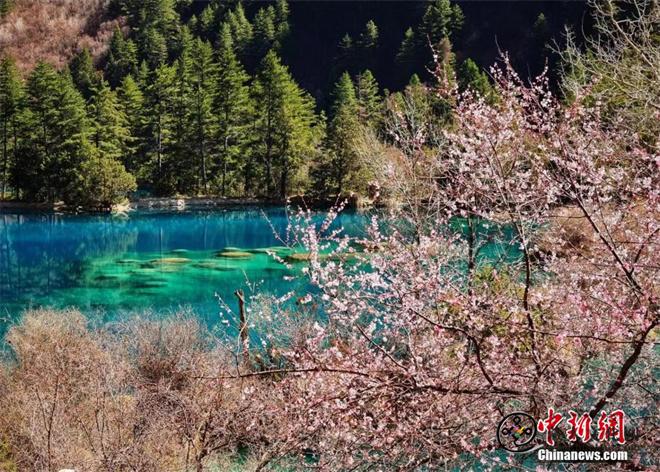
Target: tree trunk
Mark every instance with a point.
(243, 328)
(284, 180)
(5, 159)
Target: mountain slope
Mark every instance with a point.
(53, 30)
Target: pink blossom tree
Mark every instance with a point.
(421, 345)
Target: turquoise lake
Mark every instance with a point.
(147, 260)
(158, 261)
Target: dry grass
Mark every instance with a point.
(144, 395)
(570, 233)
(54, 30)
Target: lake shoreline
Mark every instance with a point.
(353, 201)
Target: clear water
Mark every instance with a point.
(158, 261)
(161, 262)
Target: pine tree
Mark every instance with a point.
(264, 32)
(158, 14)
(367, 46)
(159, 104)
(122, 58)
(343, 130)
(241, 30)
(346, 45)
(207, 21)
(269, 91)
(407, 50)
(105, 182)
(369, 37)
(441, 19)
(282, 27)
(110, 131)
(56, 144)
(302, 134)
(204, 76)
(153, 48)
(285, 123)
(155, 24)
(181, 165)
(106, 178)
(368, 99)
(232, 111)
(83, 73)
(471, 77)
(541, 30)
(11, 98)
(132, 102)
(346, 56)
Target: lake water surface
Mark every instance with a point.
(159, 261)
(162, 261)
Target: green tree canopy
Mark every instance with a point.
(285, 124)
(11, 102)
(232, 109)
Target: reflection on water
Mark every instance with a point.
(163, 261)
(158, 260)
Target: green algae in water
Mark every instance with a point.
(170, 260)
(235, 254)
(212, 265)
(102, 262)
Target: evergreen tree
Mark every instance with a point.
(471, 77)
(540, 29)
(368, 46)
(346, 45)
(207, 22)
(110, 131)
(83, 73)
(56, 144)
(132, 102)
(181, 165)
(441, 19)
(232, 110)
(160, 15)
(368, 99)
(144, 75)
(11, 97)
(343, 130)
(155, 24)
(406, 53)
(203, 86)
(369, 37)
(346, 56)
(106, 180)
(159, 124)
(264, 32)
(281, 21)
(153, 48)
(241, 30)
(122, 58)
(285, 124)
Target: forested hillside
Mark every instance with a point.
(99, 99)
